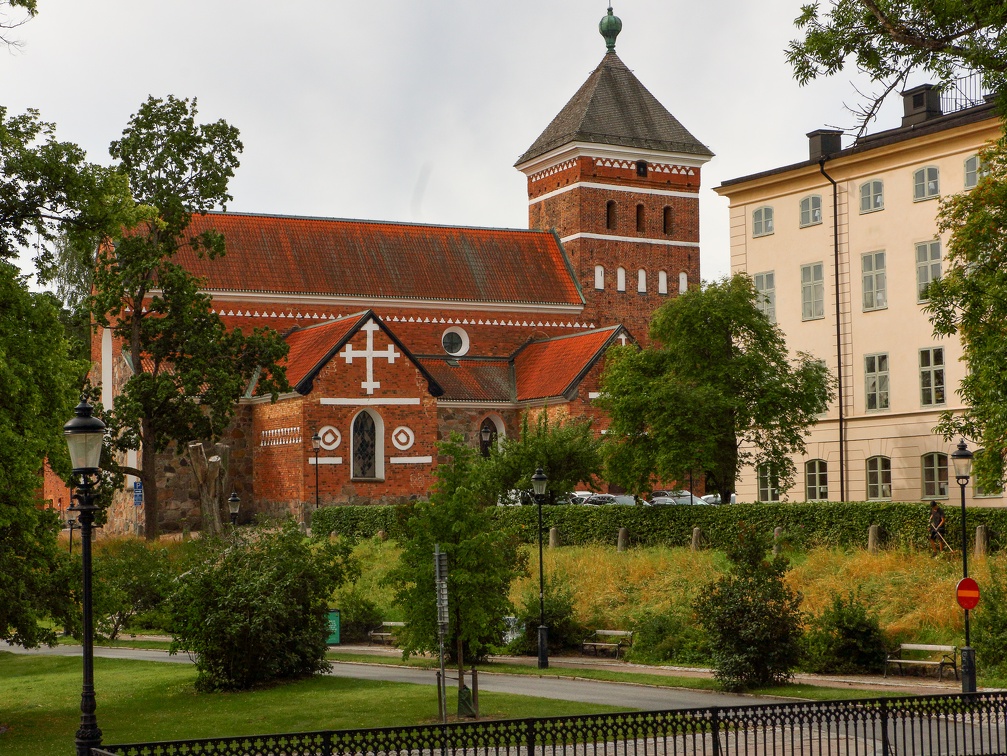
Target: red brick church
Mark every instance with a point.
(401, 334)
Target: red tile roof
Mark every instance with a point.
(554, 366)
(382, 260)
(312, 347)
(473, 379)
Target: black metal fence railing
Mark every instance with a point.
(946, 725)
(964, 92)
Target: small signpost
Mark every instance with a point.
(441, 584)
(137, 493)
(967, 593)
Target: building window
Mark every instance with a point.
(662, 282)
(979, 490)
(872, 196)
(641, 224)
(641, 281)
(879, 478)
(811, 210)
(620, 279)
(641, 168)
(610, 215)
(762, 221)
(455, 341)
(768, 484)
(932, 376)
(935, 475)
(669, 220)
(928, 267)
(683, 282)
(816, 480)
(765, 290)
(599, 277)
(876, 381)
(926, 183)
(812, 291)
(873, 268)
(368, 445)
(974, 170)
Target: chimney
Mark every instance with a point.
(824, 142)
(921, 104)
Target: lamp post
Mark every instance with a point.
(84, 436)
(538, 482)
(316, 443)
(962, 460)
(233, 504)
(485, 436)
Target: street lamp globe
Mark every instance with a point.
(316, 441)
(539, 481)
(961, 458)
(84, 437)
(233, 504)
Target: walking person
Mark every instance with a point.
(936, 529)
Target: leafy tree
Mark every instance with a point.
(129, 578)
(38, 385)
(752, 617)
(253, 608)
(188, 371)
(846, 638)
(715, 391)
(888, 40)
(970, 301)
(28, 10)
(567, 450)
(482, 562)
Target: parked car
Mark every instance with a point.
(714, 498)
(625, 499)
(579, 497)
(675, 497)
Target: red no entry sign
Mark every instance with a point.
(967, 593)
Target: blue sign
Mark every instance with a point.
(137, 493)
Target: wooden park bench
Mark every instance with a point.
(949, 658)
(608, 640)
(385, 633)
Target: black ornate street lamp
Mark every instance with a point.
(485, 438)
(233, 504)
(538, 482)
(316, 443)
(84, 437)
(962, 460)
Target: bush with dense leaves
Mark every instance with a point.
(565, 632)
(989, 624)
(844, 639)
(751, 616)
(668, 637)
(357, 615)
(130, 578)
(253, 607)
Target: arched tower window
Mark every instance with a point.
(620, 279)
(662, 282)
(599, 277)
(641, 168)
(669, 219)
(610, 215)
(641, 281)
(683, 282)
(641, 221)
(368, 441)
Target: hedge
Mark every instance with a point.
(901, 524)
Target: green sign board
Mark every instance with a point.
(333, 639)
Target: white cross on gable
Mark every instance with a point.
(622, 339)
(369, 354)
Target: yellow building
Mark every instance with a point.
(842, 247)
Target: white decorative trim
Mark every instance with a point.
(326, 460)
(612, 188)
(330, 437)
(558, 168)
(641, 239)
(367, 402)
(403, 438)
(574, 150)
(593, 394)
(356, 303)
(280, 436)
(411, 460)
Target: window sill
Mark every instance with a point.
(759, 236)
(809, 225)
(867, 212)
(875, 309)
(367, 480)
(926, 199)
(816, 317)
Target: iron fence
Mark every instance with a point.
(964, 92)
(945, 725)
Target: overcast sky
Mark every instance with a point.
(416, 111)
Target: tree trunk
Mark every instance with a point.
(207, 474)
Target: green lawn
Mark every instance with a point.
(148, 701)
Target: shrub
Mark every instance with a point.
(357, 615)
(752, 617)
(668, 637)
(129, 578)
(989, 628)
(565, 632)
(254, 606)
(845, 639)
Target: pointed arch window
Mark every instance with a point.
(599, 277)
(669, 220)
(368, 441)
(662, 282)
(641, 281)
(641, 220)
(620, 279)
(610, 215)
(683, 282)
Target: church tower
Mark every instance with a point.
(617, 177)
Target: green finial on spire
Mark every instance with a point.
(610, 26)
